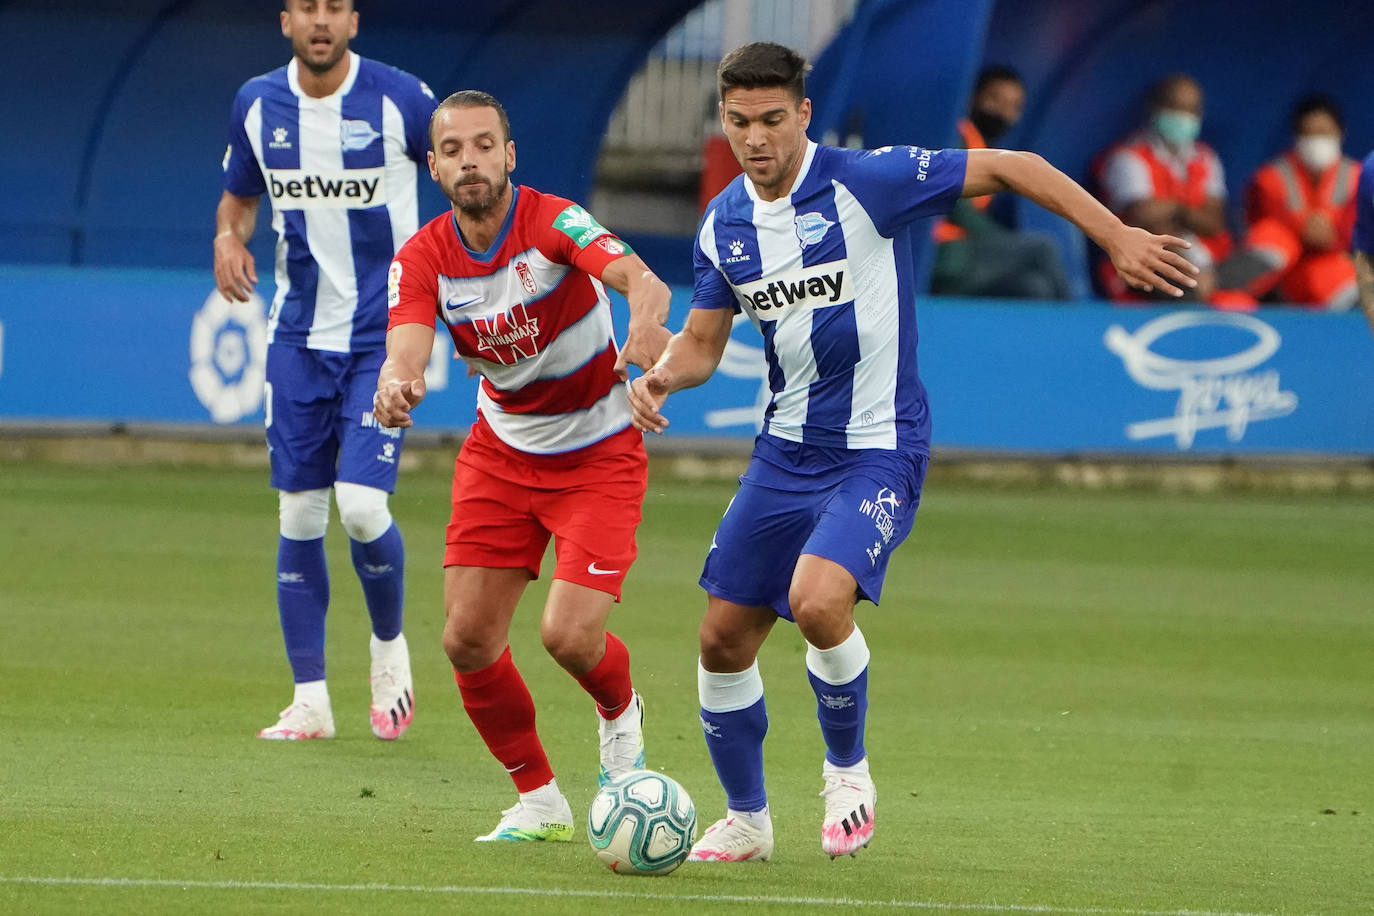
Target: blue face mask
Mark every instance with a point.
(1178, 128)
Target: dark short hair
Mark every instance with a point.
(471, 98)
(763, 65)
(1317, 101)
(286, 4)
(996, 73)
(1160, 91)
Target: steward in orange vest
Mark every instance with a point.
(1301, 212)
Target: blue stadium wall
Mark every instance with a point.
(115, 119)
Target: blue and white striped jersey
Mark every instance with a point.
(825, 274)
(341, 172)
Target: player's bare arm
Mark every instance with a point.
(1364, 277)
(1144, 260)
(648, 299)
(689, 359)
(401, 382)
(235, 273)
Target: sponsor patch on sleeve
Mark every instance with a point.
(393, 285)
(579, 225)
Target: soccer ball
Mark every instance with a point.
(642, 823)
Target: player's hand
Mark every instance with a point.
(235, 272)
(394, 400)
(1148, 262)
(644, 344)
(647, 394)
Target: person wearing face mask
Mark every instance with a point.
(976, 254)
(1164, 179)
(1301, 212)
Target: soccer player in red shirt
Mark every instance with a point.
(516, 275)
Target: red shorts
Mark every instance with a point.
(507, 503)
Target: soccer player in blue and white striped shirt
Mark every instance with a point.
(812, 244)
(334, 139)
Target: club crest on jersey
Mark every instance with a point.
(279, 141)
(522, 270)
(356, 135)
(610, 245)
(811, 228)
(508, 336)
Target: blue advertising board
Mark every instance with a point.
(130, 346)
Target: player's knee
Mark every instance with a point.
(363, 511)
(722, 649)
(823, 622)
(576, 649)
(466, 650)
(303, 515)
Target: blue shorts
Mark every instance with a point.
(320, 427)
(850, 506)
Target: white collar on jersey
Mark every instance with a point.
(293, 78)
(786, 199)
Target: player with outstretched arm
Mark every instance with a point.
(334, 140)
(516, 276)
(811, 243)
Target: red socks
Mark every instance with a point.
(609, 681)
(499, 705)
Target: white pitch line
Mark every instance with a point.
(618, 895)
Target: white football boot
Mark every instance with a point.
(849, 796)
(301, 721)
(622, 741)
(736, 838)
(393, 695)
(541, 815)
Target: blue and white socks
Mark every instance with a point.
(380, 564)
(302, 600)
(839, 677)
(735, 721)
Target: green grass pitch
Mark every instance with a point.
(1081, 703)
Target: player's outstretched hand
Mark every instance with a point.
(647, 394)
(235, 273)
(644, 344)
(395, 399)
(1148, 262)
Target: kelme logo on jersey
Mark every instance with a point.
(811, 287)
(579, 225)
(811, 228)
(353, 189)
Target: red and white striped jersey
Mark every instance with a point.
(529, 314)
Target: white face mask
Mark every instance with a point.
(1318, 151)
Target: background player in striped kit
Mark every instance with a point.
(812, 244)
(335, 140)
(516, 275)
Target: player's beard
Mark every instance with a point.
(337, 51)
(478, 206)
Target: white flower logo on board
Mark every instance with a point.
(229, 357)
